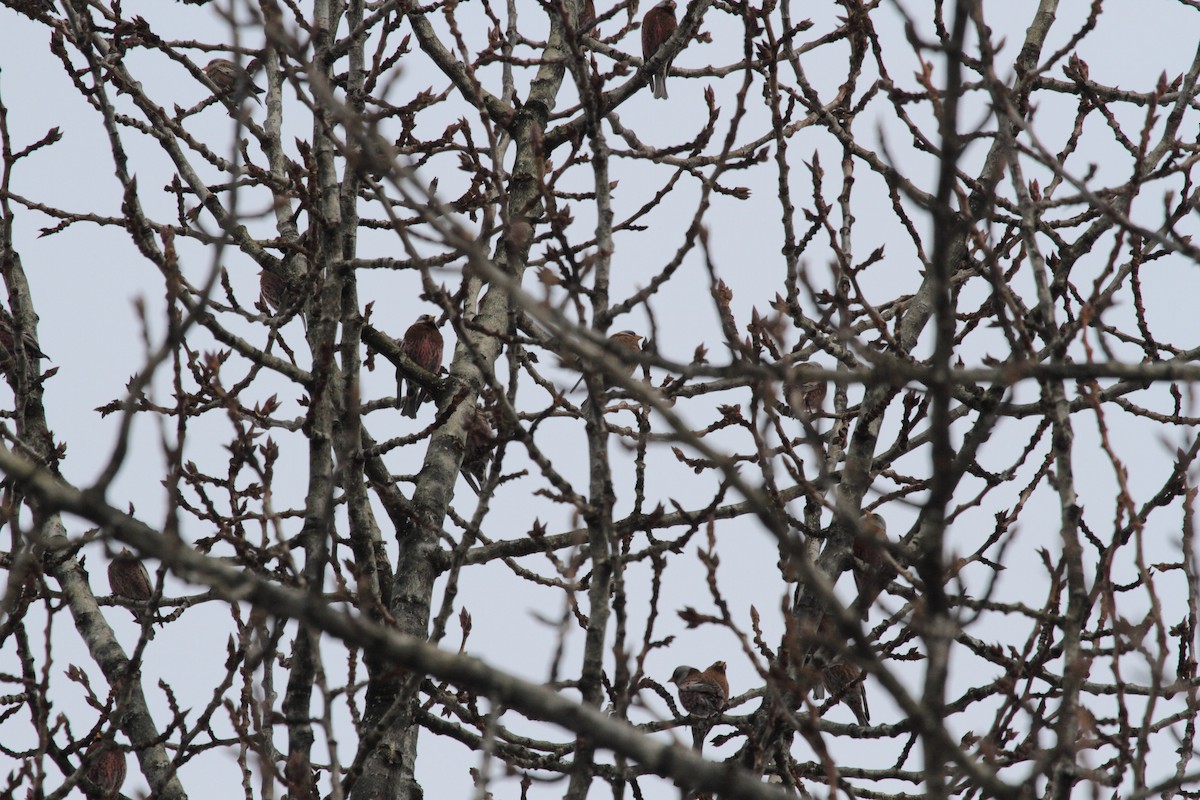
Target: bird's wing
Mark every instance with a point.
(655, 30)
(702, 687)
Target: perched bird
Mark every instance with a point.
(816, 646)
(129, 580)
(280, 297)
(826, 654)
(8, 342)
(873, 568)
(657, 26)
(622, 339)
(845, 683)
(423, 344)
(104, 770)
(808, 398)
(232, 80)
(587, 18)
(702, 694)
(477, 448)
(273, 289)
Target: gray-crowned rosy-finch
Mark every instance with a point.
(702, 694)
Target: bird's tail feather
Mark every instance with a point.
(412, 401)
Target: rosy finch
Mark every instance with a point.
(702, 694)
(104, 770)
(129, 580)
(657, 26)
(423, 344)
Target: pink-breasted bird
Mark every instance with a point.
(129, 580)
(702, 694)
(423, 344)
(104, 770)
(657, 26)
(873, 568)
(232, 80)
(622, 339)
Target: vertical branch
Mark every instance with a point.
(325, 401)
(938, 627)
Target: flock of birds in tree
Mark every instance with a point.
(703, 694)
(234, 81)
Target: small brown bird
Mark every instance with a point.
(657, 26)
(622, 339)
(423, 344)
(817, 646)
(104, 770)
(8, 342)
(232, 80)
(587, 18)
(876, 570)
(273, 289)
(808, 398)
(702, 694)
(845, 683)
(477, 448)
(129, 580)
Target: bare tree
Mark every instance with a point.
(899, 296)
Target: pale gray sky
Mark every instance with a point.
(85, 280)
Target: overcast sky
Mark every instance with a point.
(86, 280)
